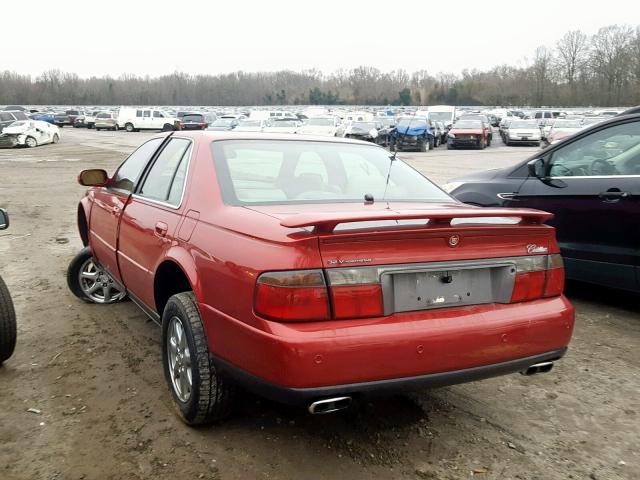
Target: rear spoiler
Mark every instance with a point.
(327, 222)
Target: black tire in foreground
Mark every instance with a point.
(207, 397)
(8, 328)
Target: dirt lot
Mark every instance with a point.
(94, 375)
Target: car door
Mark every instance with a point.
(147, 120)
(150, 219)
(594, 192)
(157, 120)
(109, 203)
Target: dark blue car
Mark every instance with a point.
(44, 117)
(591, 183)
(413, 133)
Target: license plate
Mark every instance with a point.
(449, 288)
(525, 138)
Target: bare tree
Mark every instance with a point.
(572, 55)
(610, 58)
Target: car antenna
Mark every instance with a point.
(392, 159)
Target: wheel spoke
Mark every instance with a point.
(106, 292)
(93, 288)
(89, 275)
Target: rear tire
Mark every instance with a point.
(55, 138)
(8, 328)
(167, 128)
(208, 396)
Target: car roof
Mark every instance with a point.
(215, 135)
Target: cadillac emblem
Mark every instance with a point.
(454, 240)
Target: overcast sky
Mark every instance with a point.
(196, 36)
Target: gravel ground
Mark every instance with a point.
(93, 374)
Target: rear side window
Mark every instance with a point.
(6, 117)
(138, 113)
(147, 113)
(130, 171)
(157, 114)
(20, 116)
(157, 184)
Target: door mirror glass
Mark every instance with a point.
(94, 177)
(4, 219)
(537, 168)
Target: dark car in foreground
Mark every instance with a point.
(312, 270)
(7, 312)
(591, 183)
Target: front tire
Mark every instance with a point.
(30, 142)
(8, 329)
(129, 127)
(167, 128)
(199, 393)
(90, 282)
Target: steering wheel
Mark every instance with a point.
(559, 170)
(601, 167)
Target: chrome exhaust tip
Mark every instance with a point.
(542, 367)
(329, 405)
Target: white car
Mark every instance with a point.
(29, 133)
(281, 126)
(249, 125)
(326, 126)
(523, 131)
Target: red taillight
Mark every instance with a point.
(555, 277)
(538, 276)
(357, 301)
(292, 296)
(528, 286)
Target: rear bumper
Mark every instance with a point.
(304, 396)
(433, 344)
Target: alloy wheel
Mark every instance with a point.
(179, 359)
(97, 285)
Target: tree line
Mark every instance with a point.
(579, 70)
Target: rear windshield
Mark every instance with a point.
(193, 118)
(288, 172)
(467, 124)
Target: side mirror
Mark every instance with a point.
(94, 177)
(537, 168)
(4, 219)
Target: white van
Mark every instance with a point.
(266, 114)
(358, 117)
(134, 119)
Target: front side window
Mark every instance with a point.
(287, 172)
(147, 114)
(129, 172)
(157, 114)
(612, 151)
(158, 181)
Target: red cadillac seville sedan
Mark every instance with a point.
(311, 270)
